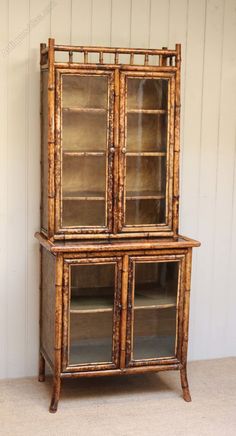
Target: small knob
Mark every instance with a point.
(123, 150)
(112, 150)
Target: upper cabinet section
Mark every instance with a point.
(110, 142)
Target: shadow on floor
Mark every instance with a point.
(115, 386)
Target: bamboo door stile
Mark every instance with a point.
(122, 160)
(112, 143)
(124, 292)
(177, 144)
(116, 151)
(66, 316)
(58, 153)
(186, 302)
(51, 137)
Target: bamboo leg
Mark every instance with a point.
(184, 384)
(55, 394)
(41, 377)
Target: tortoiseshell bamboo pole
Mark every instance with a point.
(58, 336)
(121, 50)
(125, 271)
(183, 371)
(51, 138)
(116, 149)
(177, 145)
(57, 147)
(41, 374)
(65, 315)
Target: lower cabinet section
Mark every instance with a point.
(115, 311)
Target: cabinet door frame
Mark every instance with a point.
(114, 364)
(162, 228)
(181, 259)
(92, 231)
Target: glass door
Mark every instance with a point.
(146, 151)
(93, 311)
(86, 104)
(153, 320)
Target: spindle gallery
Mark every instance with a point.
(115, 273)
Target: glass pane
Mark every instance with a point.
(146, 151)
(155, 300)
(144, 212)
(146, 132)
(147, 93)
(84, 91)
(84, 150)
(91, 313)
(84, 182)
(84, 131)
(145, 189)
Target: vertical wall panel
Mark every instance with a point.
(17, 250)
(81, 22)
(225, 241)
(191, 137)
(159, 23)
(208, 172)
(38, 34)
(120, 23)
(140, 23)
(207, 31)
(3, 187)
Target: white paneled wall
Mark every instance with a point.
(207, 31)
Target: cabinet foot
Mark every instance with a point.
(184, 384)
(55, 395)
(41, 376)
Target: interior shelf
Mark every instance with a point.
(147, 111)
(130, 195)
(144, 195)
(83, 153)
(150, 299)
(146, 153)
(91, 304)
(83, 195)
(84, 109)
(144, 299)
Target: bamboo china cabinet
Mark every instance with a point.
(115, 273)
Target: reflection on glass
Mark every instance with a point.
(91, 313)
(146, 132)
(147, 93)
(155, 300)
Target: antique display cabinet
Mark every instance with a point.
(115, 273)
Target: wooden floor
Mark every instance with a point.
(141, 405)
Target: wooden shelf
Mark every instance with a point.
(83, 195)
(146, 153)
(91, 304)
(146, 299)
(145, 195)
(150, 299)
(147, 111)
(84, 109)
(83, 153)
